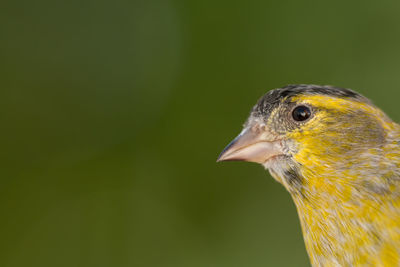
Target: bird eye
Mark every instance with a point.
(301, 113)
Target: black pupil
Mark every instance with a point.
(301, 113)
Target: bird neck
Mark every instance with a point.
(350, 216)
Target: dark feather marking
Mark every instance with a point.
(294, 180)
(274, 97)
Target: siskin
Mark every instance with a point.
(339, 157)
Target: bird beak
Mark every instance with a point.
(253, 145)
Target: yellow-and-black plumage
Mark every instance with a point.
(339, 157)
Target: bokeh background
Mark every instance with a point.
(113, 113)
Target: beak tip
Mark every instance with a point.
(221, 157)
(228, 157)
(225, 154)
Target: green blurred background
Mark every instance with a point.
(113, 114)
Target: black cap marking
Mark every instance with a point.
(274, 97)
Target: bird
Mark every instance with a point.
(338, 156)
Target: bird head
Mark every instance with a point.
(303, 132)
